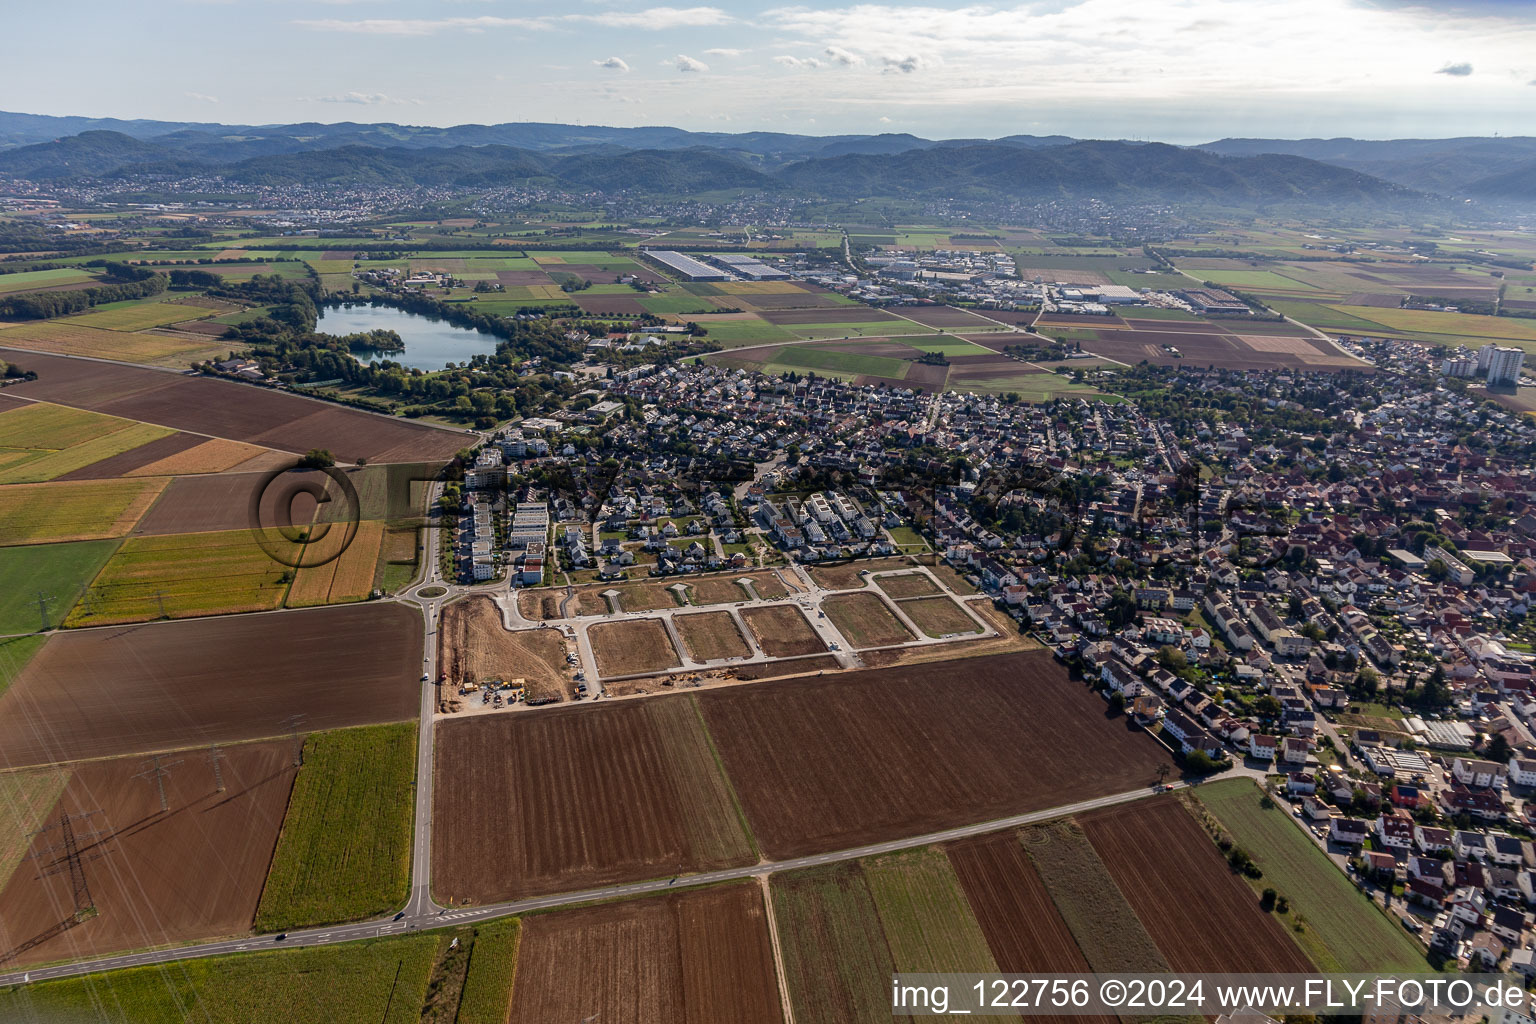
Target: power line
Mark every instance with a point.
(294, 725)
(158, 770)
(69, 847)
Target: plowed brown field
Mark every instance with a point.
(829, 763)
(684, 958)
(1201, 915)
(193, 872)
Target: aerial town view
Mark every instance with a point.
(767, 515)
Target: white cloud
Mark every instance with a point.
(201, 97)
(613, 63)
(724, 51)
(1461, 70)
(838, 55)
(418, 26)
(683, 62)
(797, 62)
(655, 18)
(885, 120)
(905, 65)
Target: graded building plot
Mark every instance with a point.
(939, 616)
(572, 798)
(382, 981)
(907, 584)
(180, 575)
(475, 647)
(716, 590)
(191, 871)
(106, 692)
(74, 510)
(782, 631)
(866, 620)
(1343, 932)
(1201, 914)
(837, 961)
(345, 849)
(53, 574)
(235, 411)
(696, 957)
(1108, 932)
(69, 337)
(632, 647)
(644, 597)
(711, 636)
(830, 763)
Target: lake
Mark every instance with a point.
(430, 343)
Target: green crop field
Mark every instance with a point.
(138, 316)
(20, 466)
(34, 279)
(382, 981)
(836, 958)
(487, 995)
(1342, 930)
(40, 425)
(736, 333)
(183, 574)
(673, 304)
(57, 572)
(806, 357)
(951, 346)
(927, 921)
(1254, 280)
(867, 328)
(345, 848)
(1454, 327)
(1327, 318)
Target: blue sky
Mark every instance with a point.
(1175, 70)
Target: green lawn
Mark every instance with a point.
(345, 848)
(59, 572)
(380, 981)
(1342, 930)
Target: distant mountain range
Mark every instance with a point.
(673, 161)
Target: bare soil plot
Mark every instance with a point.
(939, 616)
(801, 300)
(907, 584)
(105, 692)
(710, 636)
(211, 456)
(476, 647)
(1202, 915)
(571, 798)
(513, 278)
(829, 315)
(1078, 320)
(849, 575)
(716, 590)
(235, 411)
(138, 867)
(866, 620)
(1220, 349)
(767, 584)
(632, 646)
(945, 316)
(643, 597)
(695, 957)
(782, 631)
(829, 763)
(203, 503)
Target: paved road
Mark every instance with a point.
(414, 917)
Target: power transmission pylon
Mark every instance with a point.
(42, 611)
(158, 769)
(217, 757)
(69, 847)
(294, 725)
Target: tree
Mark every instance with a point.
(1117, 703)
(1497, 748)
(1267, 900)
(317, 458)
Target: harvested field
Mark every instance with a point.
(77, 339)
(1201, 914)
(782, 631)
(209, 456)
(348, 577)
(866, 620)
(1106, 927)
(138, 869)
(229, 410)
(924, 913)
(475, 647)
(696, 957)
(938, 616)
(528, 804)
(74, 510)
(632, 646)
(1220, 349)
(908, 584)
(711, 636)
(198, 681)
(825, 764)
(202, 504)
